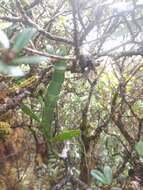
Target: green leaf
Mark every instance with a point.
(29, 112)
(108, 174)
(29, 60)
(99, 176)
(23, 38)
(51, 97)
(66, 135)
(139, 148)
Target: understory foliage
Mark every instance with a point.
(71, 94)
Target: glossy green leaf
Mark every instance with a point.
(23, 38)
(66, 135)
(29, 112)
(139, 148)
(29, 60)
(99, 176)
(108, 174)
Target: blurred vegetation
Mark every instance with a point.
(71, 108)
